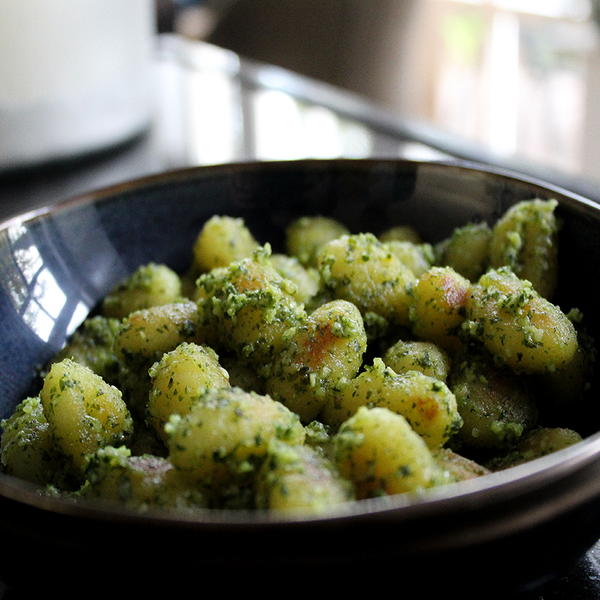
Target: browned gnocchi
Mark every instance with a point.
(344, 366)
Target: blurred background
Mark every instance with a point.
(521, 77)
(191, 82)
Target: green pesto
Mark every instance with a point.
(306, 279)
(291, 408)
(83, 411)
(537, 443)
(327, 348)
(362, 270)
(401, 233)
(517, 325)
(467, 250)
(27, 449)
(569, 386)
(525, 239)
(149, 285)
(306, 235)
(249, 307)
(425, 357)
(417, 257)
(141, 482)
(222, 240)
(318, 434)
(496, 406)
(226, 432)
(146, 334)
(300, 479)
(92, 345)
(381, 454)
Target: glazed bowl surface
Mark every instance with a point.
(507, 531)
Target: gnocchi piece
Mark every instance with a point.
(222, 240)
(458, 467)
(417, 257)
(148, 333)
(401, 233)
(537, 443)
(150, 285)
(359, 268)
(381, 454)
(317, 435)
(227, 432)
(307, 279)
(84, 412)
(425, 357)
(328, 348)
(517, 325)
(92, 345)
(568, 386)
(27, 449)
(496, 407)
(179, 378)
(426, 403)
(525, 239)
(295, 418)
(248, 308)
(437, 312)
(301, 480)
(139, 482)
(306, 235)
(467, 250)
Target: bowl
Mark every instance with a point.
(509, 531)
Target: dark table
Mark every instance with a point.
(212, 107)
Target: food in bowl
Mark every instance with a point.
(350, 366)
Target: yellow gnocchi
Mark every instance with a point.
(341, 366)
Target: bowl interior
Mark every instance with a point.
(56, 266)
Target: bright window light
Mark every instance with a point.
(322, 133)
(49, 294)
(38, 321)
(560, 9)
(79, 314)
(357, 140)
(278, 125)
(214, 130)
(570, 9)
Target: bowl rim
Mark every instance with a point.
(481, 493)
(488, 490)
(173, 175)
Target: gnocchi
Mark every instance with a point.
(344, 366)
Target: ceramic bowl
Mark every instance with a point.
(506, 532)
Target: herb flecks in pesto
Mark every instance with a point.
(337, 366)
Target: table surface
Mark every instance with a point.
(211, 106)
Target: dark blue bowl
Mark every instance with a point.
(516, 528)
